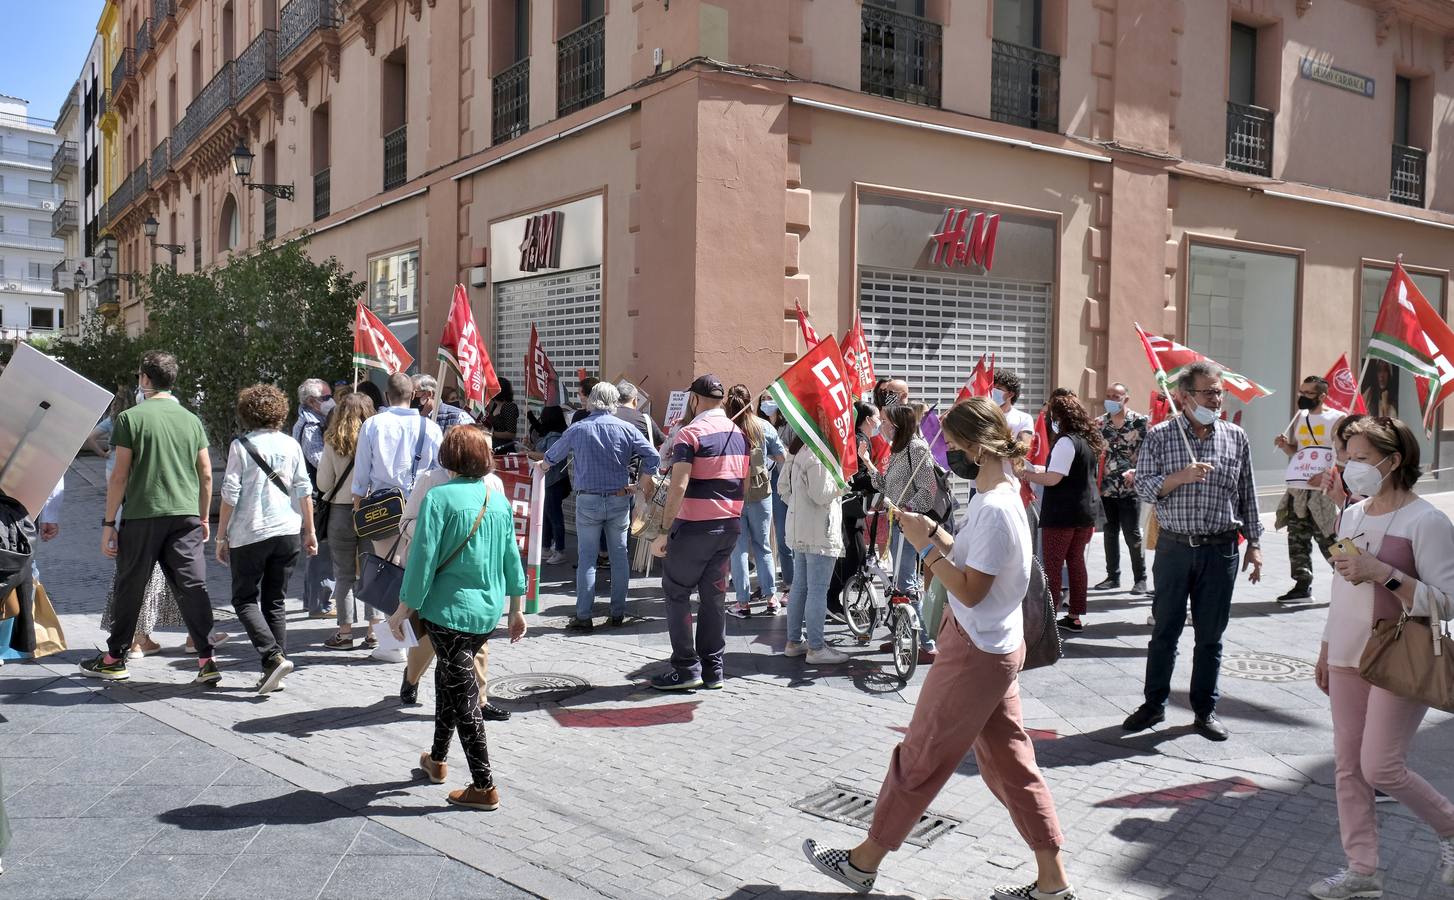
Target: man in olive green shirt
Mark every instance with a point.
(164, 474)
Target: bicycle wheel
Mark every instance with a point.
(860, 606)
(905, 631)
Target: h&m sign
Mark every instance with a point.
(965, 238)
(540, 248)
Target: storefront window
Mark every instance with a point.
(565, 309)
(1387, 390)
(1241, 308)
(394, 284)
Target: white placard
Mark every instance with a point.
(46, 413)
(387, 641)
(1308, 462)
(676, 410)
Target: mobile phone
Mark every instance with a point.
(1343, 548)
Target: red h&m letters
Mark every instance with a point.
(962, 240)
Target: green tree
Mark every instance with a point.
(274, 316)
(103, 352)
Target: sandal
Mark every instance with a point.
(339, 641)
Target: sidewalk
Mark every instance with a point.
(617, 791)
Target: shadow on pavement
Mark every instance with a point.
(301, 807)
(307, 723)
(754, 891)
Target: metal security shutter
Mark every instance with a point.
(565, 308)
(931, 329)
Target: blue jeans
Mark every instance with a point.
(601, 519)
(780, 529)
(808, 602)
(552, 536)
(1206, 575)
(907, 579)
(756, 519)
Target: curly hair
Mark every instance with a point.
(348, 417)
(262, 406)
(1065, 410)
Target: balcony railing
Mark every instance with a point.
(26, 242)
(581, 68)
(197, 255)
(63, 275)
(183, 134)
(396, 153)
(216, 98)
(66, 157)
(902, 56)
(1249, 139)
(270, 217)
(161, 160)
(511, 106)
(26, 201)
(143, 38)
(63, 220)
(322, 199)
(258, 63)
(103, 100)
(161, 10)
(1409, 167)
(301, 18)
(125, 68)
(68, 105)
(1025, 87)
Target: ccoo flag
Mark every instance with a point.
(1342, 391)
(463, 350)
(542, 382)
(810, 334)
(858, 362)
(813, 396)
(374, 345)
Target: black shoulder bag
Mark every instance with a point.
(322, 503)
(380, 513)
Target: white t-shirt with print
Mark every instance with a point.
(1315, 429)
(995, 540)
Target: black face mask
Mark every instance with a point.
(1307, 403)
(962, 465)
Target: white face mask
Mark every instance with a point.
(1203, 415)
(1054, 427)
(140, 395)
(1362, 478)
(998, 396)
(326, 406)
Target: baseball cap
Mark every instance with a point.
(708, 386)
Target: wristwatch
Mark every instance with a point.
(108, 523)
(1394, 582)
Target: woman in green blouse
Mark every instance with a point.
(462, 564)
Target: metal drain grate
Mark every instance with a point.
(841, 803)
(538, 687)
(1266, 667)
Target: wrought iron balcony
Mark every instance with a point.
(510, 117)
(183, 134)
(300, 19)
(161, 10)
(581, 68)
(161, 160)
(322, 199)
(1410, 164)
(1025, 87)
(396, 152)
(124, 69)
(1249, 138)
(63, 275)
(902, 56)
(216, 98)
(103, 100)
(63, 220)
(68, 105)
(258, 63)
(65, 159)
(270, 217)
(143, 38)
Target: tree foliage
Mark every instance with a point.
(103, 352)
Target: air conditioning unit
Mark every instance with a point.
(12, 286)
(47, 204)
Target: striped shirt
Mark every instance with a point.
(716, 449)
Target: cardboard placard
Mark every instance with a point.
(676, 410)
(1306, 463)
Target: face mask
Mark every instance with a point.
(886, 431)
(140, 395)
(1054, 427)
(1203, 415)
(768, 409)
(1362, 478)
(327, 406)
(1114, 406)
(961, 465)
(998, 396)
(1307, 403)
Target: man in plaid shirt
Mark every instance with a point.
(1203, 504)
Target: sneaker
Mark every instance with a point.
(676, 681)
(98, 667)
(493, 713)
(1347, 884)
(371, 642)
(1446, 860)
(796, 648)
(555, 558)
(1139, 587)
(487, 799)
(339, 642)
(826, 656)
(329, 613)
(1066, 623)
(834, 863)
(436, 772)
(1110, 584)
(1298, 592)
(578, 626)
(776, 605)
(1031, 892)
(712, 682)
(1143, 718)
(208, 674)
(740, 610)
(144, 649)
(408, 693)
(617, 621)
(274, 668)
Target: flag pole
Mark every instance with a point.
(355, 377)
(1176, 413)
(438, 392)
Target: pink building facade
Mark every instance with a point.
(1236, 174)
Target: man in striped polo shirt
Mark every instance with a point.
(704, 505)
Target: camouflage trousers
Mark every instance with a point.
(1302, 532)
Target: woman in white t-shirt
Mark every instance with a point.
(1404, 565)
(971, 699)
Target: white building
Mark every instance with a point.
(76, 168)
(30, 216)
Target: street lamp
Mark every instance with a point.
(242, 167)
(149, 228)
(104, 261)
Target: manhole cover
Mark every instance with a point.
(1266, 667)
(538, 687)
(841, 803)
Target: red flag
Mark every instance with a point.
(810, 334)
(981, 381)
(463, 350)
(374, 345)
(1168, 358)
(858, 361)
(1039, 455)
(1342, 392)
(813, 396)
(542, 382)
(1159, 407)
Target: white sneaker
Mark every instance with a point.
(1348, 884)
(555, 558)
(1446, 860)
(826, 656)
(1031, 892)
(834, 863)
(796, 648)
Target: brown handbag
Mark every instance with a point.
(10, 605)
(1412, 657)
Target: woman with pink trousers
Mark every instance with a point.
(971, 699)
(1403, 564)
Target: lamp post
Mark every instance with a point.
(242, 159)
(149, 228)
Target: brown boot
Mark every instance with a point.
(435, 771)
(474, 798)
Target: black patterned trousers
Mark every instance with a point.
(457, 700)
